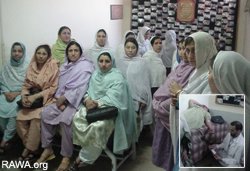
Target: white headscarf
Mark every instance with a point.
(95, 50)
(205, 49)
(120, 48)
(231, 74)
(144, 44)
(169, 48)
(136, 71)
(156, 66)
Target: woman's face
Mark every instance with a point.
(181, 51)
(73, 53)
(105, 63)
(157, 46)
(101, 39)
(130, 49)
(190, 53)
(147, 35)
(65, 36)
(211, 82)
(17, 52)
(41, 56)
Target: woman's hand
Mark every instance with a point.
(174, 100)
(61, 103)
(32, 98)
(10, 96)
(25, 101)
(217, 157)
(142, 105)
(175, 89)
(212, 146)
(91, 104)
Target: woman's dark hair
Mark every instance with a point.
(238, 125)
(46, 47)
(189, 40)
(129, 33)
(106, 54)
(63, 28)
(132, 40)
(73, 43)
(152, 41)
(181, 41)
(102, 30)
(16, 44)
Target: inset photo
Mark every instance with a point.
(211, 130)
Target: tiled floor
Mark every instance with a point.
(141, 163)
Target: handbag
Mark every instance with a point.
(103, 113)
(217, 119)
(36, 104)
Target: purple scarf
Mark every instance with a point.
(162, 97)
(73, 80)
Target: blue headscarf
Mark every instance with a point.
(13, 73)
(112, 90)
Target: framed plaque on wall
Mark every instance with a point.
(185, 10)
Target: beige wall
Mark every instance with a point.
(126, 16)
(37, 22)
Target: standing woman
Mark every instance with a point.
(100, 44)
(73, 83)
(11, 80)
(200, 48)
(107, 87)
(136, 71)
(163, 149)
(40, 84)
(143, 38)
(169, 49)
(58, 49)
(157, 68)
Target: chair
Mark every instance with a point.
(118, 160)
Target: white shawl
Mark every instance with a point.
(157, 68)
(136, 71)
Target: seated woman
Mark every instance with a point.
(58, 49)
(73, 83)
(40, 85)
(152, 56)
(162, 147)
(11, 80)
(101, 44)
(229, 75)
(135, 69)
(107, 87)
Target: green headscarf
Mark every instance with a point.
(58, 50)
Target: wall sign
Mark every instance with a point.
(185, 10)
(116, 12)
